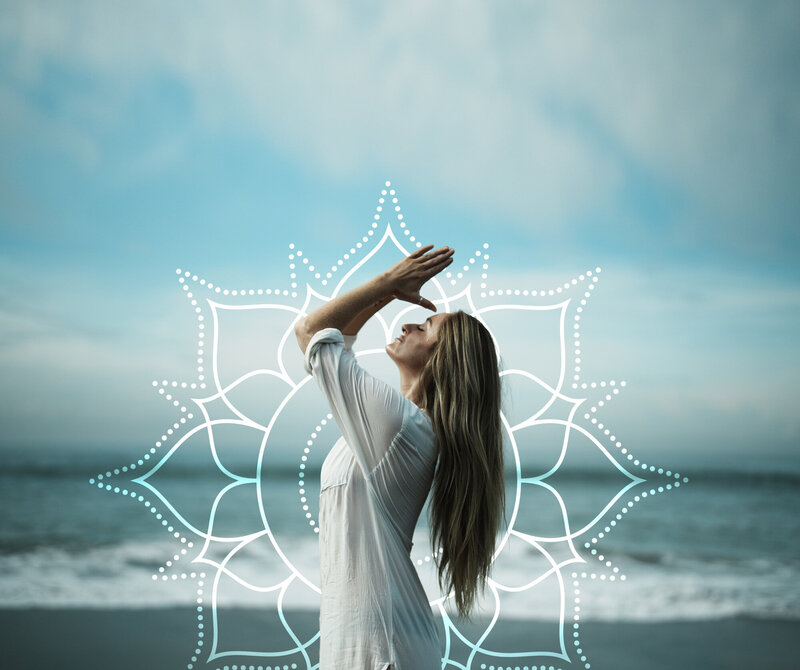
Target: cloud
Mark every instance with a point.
(534, 115)
(695, 342)
(705, 357)
(534, 112)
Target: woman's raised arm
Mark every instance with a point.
(403, 281)
(365, 315)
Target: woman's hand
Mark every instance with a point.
(407, 277)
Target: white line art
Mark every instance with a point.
(552, 402)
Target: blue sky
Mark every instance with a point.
(659, 142)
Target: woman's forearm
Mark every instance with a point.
(342, 310)
(365, 315)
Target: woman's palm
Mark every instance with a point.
(408, 275)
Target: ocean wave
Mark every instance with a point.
(657, 587)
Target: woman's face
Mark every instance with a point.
(413, 348)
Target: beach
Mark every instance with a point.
(163, 639)
(92, 578)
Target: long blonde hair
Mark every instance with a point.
(461, 392)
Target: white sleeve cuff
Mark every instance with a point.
(332, 335)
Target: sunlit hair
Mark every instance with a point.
(461, 392)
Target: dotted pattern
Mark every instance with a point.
(591, 545)
(189, 282)
(99, 479)
(576, 621)
(519, 667)
(186, 275)
(624, 510)
(301, 474)
(297, 256)
(200, 623)
(480, 255)
(592, 278)
(183, 277)
(301, 482)
(577, 319)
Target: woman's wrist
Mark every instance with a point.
(385, 281)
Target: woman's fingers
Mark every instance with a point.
(422, 264)
(426, 251)
(419, 252)
(438, 253)
(434, 270)
(440, 257)
(441, 266)
(442, 250)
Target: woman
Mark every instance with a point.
(374, 613)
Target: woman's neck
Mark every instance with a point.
(409, 387)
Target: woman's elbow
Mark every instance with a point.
(302, 335)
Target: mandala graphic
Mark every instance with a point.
(248, 536)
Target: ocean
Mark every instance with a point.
(725, 543)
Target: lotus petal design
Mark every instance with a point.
(258, 403)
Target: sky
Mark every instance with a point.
(658, 142)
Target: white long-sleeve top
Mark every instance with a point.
(374, 612)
